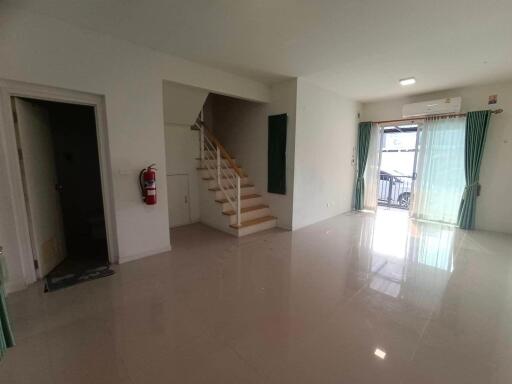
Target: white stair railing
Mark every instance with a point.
(224, 170)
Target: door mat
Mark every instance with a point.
(70, 279)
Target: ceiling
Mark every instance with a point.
(358, 48)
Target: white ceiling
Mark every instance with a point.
(359, 48)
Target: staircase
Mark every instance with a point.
(229, 201)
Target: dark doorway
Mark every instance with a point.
(78, 172)
(75, 182)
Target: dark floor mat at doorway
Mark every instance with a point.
(53, 283)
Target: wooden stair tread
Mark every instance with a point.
(215, 189)
(213, 151)
(214, 158)
(245, 209)
(205, 169)
(249, 223)
(223, 177)
(243, 197)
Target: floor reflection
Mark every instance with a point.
(358, 298)
(407, 259)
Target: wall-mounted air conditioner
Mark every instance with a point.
(434, 107)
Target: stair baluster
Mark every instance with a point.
(201, 143)
(218, 167)
(238, 207)
(225, 168)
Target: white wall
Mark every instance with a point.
(322, 128)
(494, 207)
(283, 99)
(182, 105)
(45, 51)
(242, 127)
(8, 236)
(324, 142)
(182, 149)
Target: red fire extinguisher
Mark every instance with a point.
(147, 181)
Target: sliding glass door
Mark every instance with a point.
(398, 157)
(440, 169)
(421, 167)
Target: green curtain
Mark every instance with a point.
(363, 144)
(476, 132)
(6, 336)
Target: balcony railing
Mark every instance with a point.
(395, 190)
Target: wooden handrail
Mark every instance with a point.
(222, 150)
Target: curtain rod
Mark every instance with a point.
(424, 118)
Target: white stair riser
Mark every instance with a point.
(213, 173)
(213, 154)
(226, 183)
(245, 191)
(212, 162)
(244, 203)
(251, 215)
(257, 228)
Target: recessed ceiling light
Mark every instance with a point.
(408, 81)
(380, 353)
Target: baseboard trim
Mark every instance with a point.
(128, 258)
(285, 227)
(15, 286)
(318, 220)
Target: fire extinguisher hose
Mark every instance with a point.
(141, 183)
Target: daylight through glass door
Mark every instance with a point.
(397, 165)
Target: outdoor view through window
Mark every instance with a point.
(397, 165)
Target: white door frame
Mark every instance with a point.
(415, 163)
(9, 89)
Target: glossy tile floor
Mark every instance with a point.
(355, 299)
